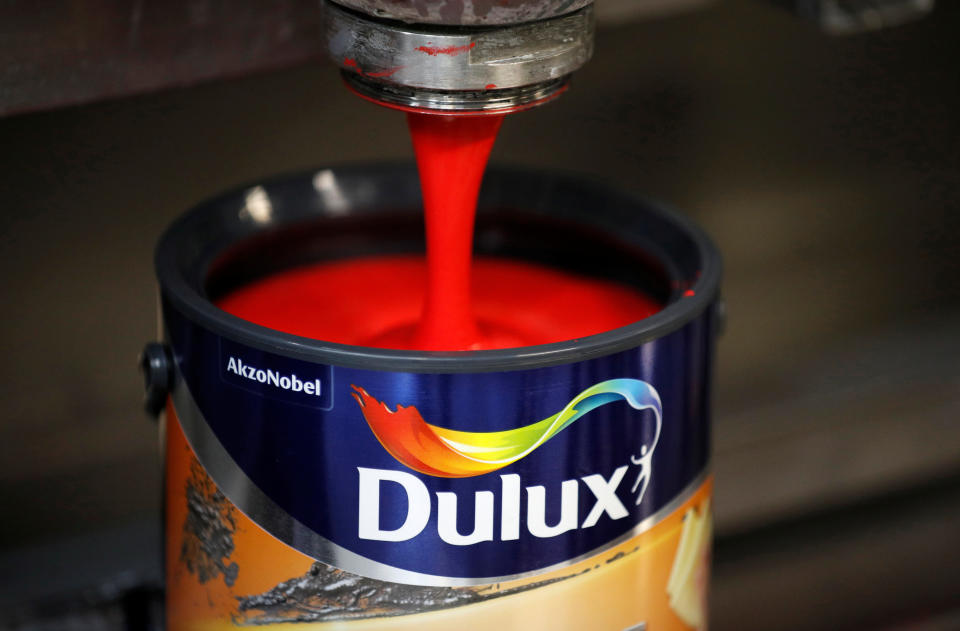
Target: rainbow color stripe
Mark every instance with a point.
(442, 452)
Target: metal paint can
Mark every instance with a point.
(563, 486)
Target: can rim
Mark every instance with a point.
(189, 298)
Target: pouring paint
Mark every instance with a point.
(558, 485)
(452, 154)
(447, 301)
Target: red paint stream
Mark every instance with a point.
(452, 154)
(448, 301)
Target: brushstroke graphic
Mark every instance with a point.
(442, 452)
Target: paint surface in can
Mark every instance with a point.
(376, 301)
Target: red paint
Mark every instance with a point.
(444, 302)
(490, 86)
(351, 63)
(689, 293)
(452, 154)
(452, 51)
(389, 72)
(376, 301)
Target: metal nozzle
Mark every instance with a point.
(458, 69)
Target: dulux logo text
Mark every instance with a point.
(441, 452)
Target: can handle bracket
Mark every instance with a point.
(156, 366)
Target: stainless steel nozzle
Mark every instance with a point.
(457, 68)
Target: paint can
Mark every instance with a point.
(562, 486)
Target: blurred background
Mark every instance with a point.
(827, 168)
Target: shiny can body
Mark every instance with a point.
(563, 486)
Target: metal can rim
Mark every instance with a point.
(185, 291)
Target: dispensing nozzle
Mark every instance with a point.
(462, 66)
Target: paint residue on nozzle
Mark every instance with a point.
(389, 72)
(351, 64)
(452, 51)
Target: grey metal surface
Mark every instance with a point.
(477, 60)
(465, 12)
(510, 99)
(78, 51)
(54, 54)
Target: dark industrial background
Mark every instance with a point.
(826, 168)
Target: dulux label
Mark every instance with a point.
(453, 476)
(420, 505)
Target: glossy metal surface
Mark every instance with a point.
(465, 12)
(475, 60)
(485, 101)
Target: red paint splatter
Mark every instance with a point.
(490, 86)
(689, 293)
(349, 62)
(384, 73)
(453, 51)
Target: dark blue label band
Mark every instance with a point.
(462, 475)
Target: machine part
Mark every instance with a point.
(486, 102)
(465, 12)
(80, 51)
(457, 69)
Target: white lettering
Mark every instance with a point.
(606, 493)
(482, 519)
(419, 508)
(537, 510)
(273, 378)
(510, 507)
(418, 505)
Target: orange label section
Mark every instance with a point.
(225, 572)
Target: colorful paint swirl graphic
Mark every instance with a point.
(442, 452)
